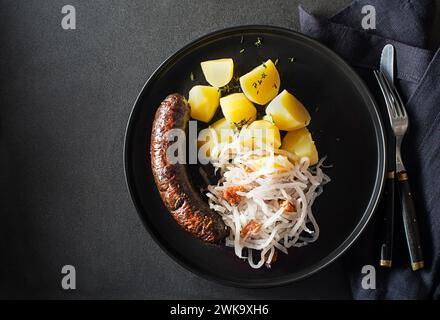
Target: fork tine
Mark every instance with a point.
(393, 97)
(389, 90)
(385, 94)
(400, 106)
(390, 107)
(382, 87)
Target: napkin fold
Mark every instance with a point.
(405, 24)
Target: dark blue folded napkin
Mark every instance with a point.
(405, 24)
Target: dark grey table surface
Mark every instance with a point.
(65, 97)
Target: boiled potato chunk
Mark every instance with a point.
(220, 131)
(219, 72)
(206, 141)
(262, 83)
(268, 118)
(277, 162)
(300, 142)
(237, 109)
(224, 130)
(287, 112)
(203, 101)
(259, 132)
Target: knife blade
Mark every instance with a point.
(387, 62)
(386, 250)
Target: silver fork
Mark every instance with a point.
(399, 123)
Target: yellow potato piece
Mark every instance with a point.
(203, 101)
(287, 112)
(220, 131)
(205, 142)
(224, 130)
(262, 83)
(268, 118)
(300, 142)
(277, 162)
(219, 72)
(237, 109)
(259, 132)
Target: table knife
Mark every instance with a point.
(386, 249)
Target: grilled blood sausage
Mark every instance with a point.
(179, 196)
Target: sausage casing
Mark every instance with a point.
(183, 201)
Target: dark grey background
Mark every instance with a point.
(65, 97)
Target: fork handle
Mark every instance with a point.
(410, 222)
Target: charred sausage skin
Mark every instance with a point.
(185, 203)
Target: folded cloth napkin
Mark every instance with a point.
(405, 24)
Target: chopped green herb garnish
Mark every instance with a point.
(232, 87)
(258, 42)
(263, 75)
(242, 123)
(275, 86)
(191, 76)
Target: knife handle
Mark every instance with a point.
(410, 222)
(386, 248)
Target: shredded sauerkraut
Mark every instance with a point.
(275, 191)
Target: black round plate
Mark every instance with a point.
(345, 124)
